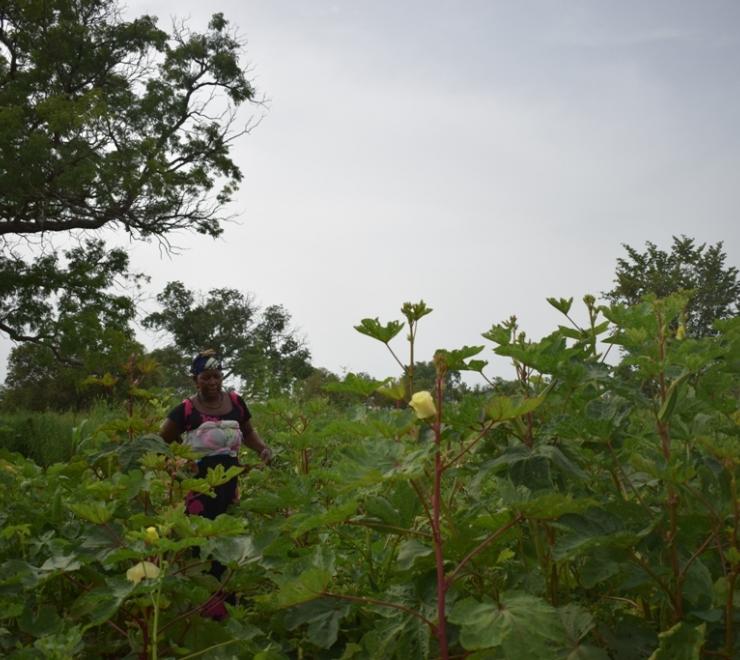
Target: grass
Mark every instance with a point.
(51, 437)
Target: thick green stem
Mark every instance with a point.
(155, 617)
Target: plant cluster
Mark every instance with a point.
(583, 511)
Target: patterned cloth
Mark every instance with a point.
(215, 438)
(205, 361)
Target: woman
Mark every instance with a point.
(214, 424)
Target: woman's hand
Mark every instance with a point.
(254, 442)
(266, 455)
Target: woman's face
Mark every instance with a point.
(209, 382)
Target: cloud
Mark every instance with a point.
(648, 37)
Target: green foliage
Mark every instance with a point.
(74, 320)
(44, 437)
(581, 512)
(104, 123)
(107, 121)
(375, 329)
(698, 269)
(257, 346)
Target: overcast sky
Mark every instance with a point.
(481, 155)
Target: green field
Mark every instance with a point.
(579, 511)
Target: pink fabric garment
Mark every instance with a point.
(193, 505)
(215, 608)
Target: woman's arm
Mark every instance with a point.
(253, 441)
(169, 431)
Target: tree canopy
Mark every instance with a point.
(111, 122)
(701, 269)
(70, 322)
(257, 346)
(66, 304)
(104, 123)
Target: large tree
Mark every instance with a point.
(104, 123)
(37, 380)
(111, 122)
(259, 347)
(700, 269)
(79, 323)
(69, 303)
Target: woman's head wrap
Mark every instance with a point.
(205, 360)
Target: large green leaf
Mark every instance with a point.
(322, 616)
(299, 525)
(307, 586)
(525, 626)
(545, 355)
(233, 550)
(130, 453)
(354, 384)
(698, 586)
(410, 551)
(590, 529)
(375, 329)
(381, 508)
(40, 621)
(459, 359)
(16, 574)
(95, 512)
(682, 642)
(100, 604)
(64, 563)
(577, 623)
(502, 408)
(553, 505)
(561, 304)
(398, 637)
(380, 460)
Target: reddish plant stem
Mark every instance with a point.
(304, 461)
(697, 554)
(113, 535)
(729, 614)
(481, 547)
(470, 445)
(436, 528)
(117, 628)
(144, 625)
(646, 567)
(673, 549)
(672, 496)
(529, 439)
